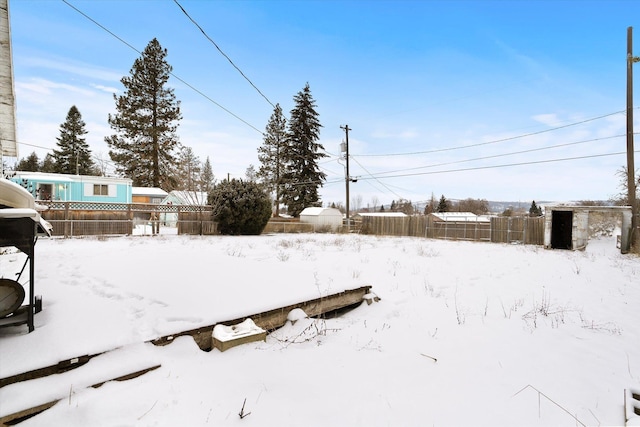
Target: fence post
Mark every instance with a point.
(475, 230)
(130, 218)
(66, 219)
(178, 223)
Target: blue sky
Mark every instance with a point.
(475, 99)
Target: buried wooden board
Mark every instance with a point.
(267, 320)
(19, 416)
(273, 319)
(60, 367)
(120, 364)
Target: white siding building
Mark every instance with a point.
(322, 217)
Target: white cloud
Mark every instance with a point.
(107, 89)
(42, 86)
(72, 67)
(547, 119)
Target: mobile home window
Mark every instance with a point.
(100, 190)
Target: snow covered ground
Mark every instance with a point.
(464, 334)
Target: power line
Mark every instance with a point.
(377, 180)
(503, 154)
(503, 165)
(438, 150)
(171, 73)
(34, 145)
(380, 175)
(222, 53)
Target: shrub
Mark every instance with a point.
(240, 207)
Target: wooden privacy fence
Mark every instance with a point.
(284, 225)
(518, 229)
(287, 226)
(526, 230)
(394, 226)
(476, 229)
(90, 218)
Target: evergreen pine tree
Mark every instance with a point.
(145, 141)
(250, 174)
(535, 210)
(301, 153)
(30, 164)
(269, 154)
(207, 179)
(48, 164)
(73, 155)
(240, 207)
(188, 170)
(443, 205)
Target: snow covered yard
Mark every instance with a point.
(464, 334)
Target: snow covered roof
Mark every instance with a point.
(62, 177)
(459, 217)
(382, 214)
(148, 191)
(314, 211)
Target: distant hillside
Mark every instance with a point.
(497, 207)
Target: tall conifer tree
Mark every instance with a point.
(188, 170)
(30, 164)
(443, 205)
(207, 179)
(302, 176)
(48, 163)
(145, 142)
(73, 155)
(271, 167)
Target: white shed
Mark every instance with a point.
(322, 217)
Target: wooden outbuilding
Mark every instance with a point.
(149, 195)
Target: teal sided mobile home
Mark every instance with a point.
(75, 188)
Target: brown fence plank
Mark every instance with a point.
(528, 230)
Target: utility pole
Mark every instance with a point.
(631, 182)
(345, 148)
(278, 143)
